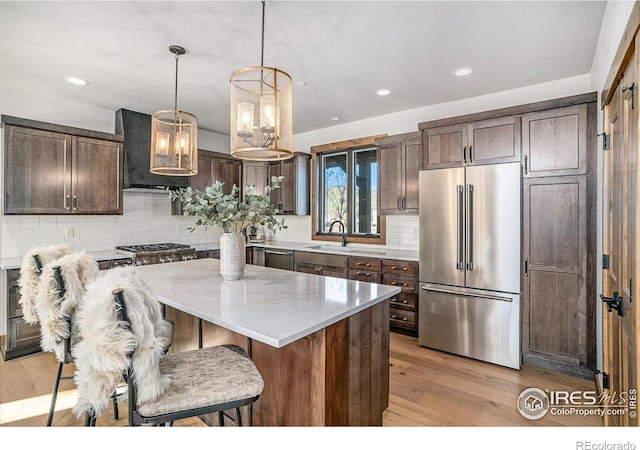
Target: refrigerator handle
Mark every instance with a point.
(460, 246)
(470, 227)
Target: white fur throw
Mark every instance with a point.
(77, 270)
(101, 356)
(29, 277)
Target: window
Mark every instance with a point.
(347, 192)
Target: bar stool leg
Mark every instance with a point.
(54, 395)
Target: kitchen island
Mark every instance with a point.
(320, 343)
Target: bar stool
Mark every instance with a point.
(60, 290)
(117, 322)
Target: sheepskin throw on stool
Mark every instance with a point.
(29, 276)
(57, 313)
(104, 351)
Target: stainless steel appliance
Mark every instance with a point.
(470, 262)
(278, 258)
(157, 253)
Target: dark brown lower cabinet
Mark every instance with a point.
(557, 319)
(321, 264)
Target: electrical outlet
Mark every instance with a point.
(69, 232)
(180, 229)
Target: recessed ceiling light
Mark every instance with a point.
(301, 83)
(383, 92)
(334, 118)
(463, 71)
(76, 80)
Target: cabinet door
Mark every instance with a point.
(554, 322)
(390, 171)
(205, 176)
(96, 176)
(274, 169)
(412, 160)
(254, 174)
(444, 146)
(37, 172)
(288, 187)
(229, 172)
(494, 141)
(555, 142)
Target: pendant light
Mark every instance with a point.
(174, 137)
(261, 104)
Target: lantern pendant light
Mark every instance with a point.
(174, 137)
(261, 112)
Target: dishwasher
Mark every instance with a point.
(278, 258)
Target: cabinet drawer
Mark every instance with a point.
(404, 301)
(364, 275)
(21, 334)
(408, 284)
(104, 265)
(400, 267)
(402, 318)
(368, 264)
(321, 259)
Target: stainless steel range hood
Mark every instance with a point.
(135, 127)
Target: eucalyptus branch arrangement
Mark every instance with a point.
(215, 208)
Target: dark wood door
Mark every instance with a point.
(444, 146)
(555, 321)
(288, 187)
(555, 142)
(412, 160)
(255, 174)
(96, 176)
(390, 174)
(229, 172)
(494, 141)
(274, 169)
(37, 171)
(621, 241)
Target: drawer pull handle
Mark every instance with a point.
(363, 264)
(368, 274)
(397, 317)
(394, 282)
(397, 300)
(396, 268)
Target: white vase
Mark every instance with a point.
(233, 256)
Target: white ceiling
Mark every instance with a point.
(343, 50)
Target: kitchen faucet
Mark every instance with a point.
(344, 238)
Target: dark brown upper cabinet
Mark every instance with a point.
(399, 163)
(51, 169)
(212, 167)
(554, 142)
(475, 143)
(292, 197)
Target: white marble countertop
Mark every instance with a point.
(273, 306)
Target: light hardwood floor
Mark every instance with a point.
(427, 388)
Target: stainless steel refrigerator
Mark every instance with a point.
(470, 226)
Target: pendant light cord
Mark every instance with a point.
(175, 98)
(262, 50)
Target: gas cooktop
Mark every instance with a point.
(152, 247)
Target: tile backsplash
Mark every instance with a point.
(147, 219)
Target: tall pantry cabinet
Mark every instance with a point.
(559, 239)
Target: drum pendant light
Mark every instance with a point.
(261, 112)
(174, 137)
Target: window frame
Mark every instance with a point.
(317, 213)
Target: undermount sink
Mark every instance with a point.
(340, 249)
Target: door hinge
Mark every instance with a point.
(605, 261)
(605, 141)
(605, 378)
